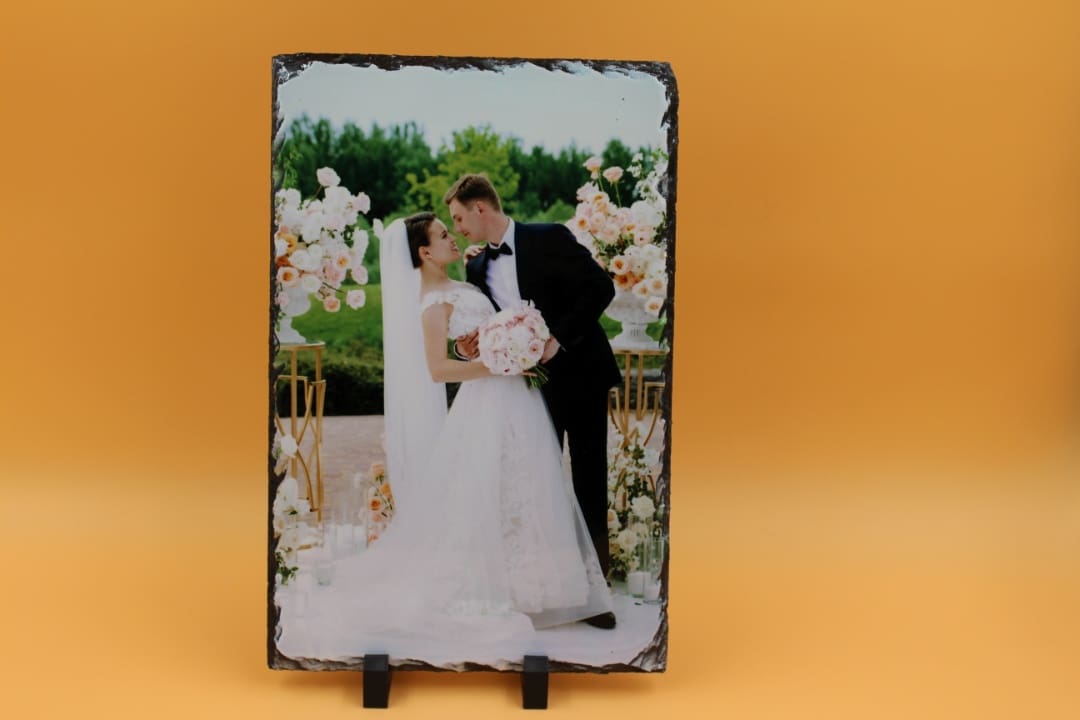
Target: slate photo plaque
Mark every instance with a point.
(471, 265)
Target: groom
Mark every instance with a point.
(544, 263)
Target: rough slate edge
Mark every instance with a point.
(285, 67)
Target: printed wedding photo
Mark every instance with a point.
(471, 271)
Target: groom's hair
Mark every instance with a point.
(473, 186)
(416, 230)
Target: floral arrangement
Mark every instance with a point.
(633, 514)
(380, 502)
(626, 241)
(290, 529)
(512, 342)
(317, 243)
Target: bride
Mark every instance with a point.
(487, 543)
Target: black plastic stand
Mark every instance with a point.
(376, 681)
(534, 683)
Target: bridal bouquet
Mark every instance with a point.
(317, 243)
(512, 342)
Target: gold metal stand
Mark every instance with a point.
(619, 399)
(313, 392)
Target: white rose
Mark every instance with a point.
(643, 507)
(291, 217)
(327, 177)
(280, 247)
(311, 228)
(289, 197)
(652, 459)
(302, 260)
(362, 202)
(360, 275)
(310, 282)
(645, 214)
(586, 193)
(336, 199)
(627, 540)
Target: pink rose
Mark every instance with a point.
(355, 299)
(331, 304)
(612, 174)
(360, 275)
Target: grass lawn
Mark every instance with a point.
(358, 333)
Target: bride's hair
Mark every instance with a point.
(416, 229)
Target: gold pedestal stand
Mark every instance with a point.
(619, 399)
(305, 424)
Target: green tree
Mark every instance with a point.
(473, 150)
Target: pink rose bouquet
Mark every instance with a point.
(512, 342)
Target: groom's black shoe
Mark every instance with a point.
(604, 621)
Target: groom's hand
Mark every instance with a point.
(550, 348)
(467, 347)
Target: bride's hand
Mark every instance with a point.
(472, 251)
(467, 347)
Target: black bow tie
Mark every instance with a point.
(494, 251)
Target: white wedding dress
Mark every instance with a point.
(490, 544)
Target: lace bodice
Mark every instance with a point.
(471, 307)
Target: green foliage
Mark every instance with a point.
(473, 150)
(348, 333)
(376, 163)
(354, 386)
(559, 212)
(400, 173)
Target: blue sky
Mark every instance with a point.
(542, 107)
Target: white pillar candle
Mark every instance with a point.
(652, 591)
(635, 583)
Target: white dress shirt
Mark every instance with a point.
(502, 277)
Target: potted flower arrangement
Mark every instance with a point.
(627, 241)
(634, 515)
(317, 244)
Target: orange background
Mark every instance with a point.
(875, 508)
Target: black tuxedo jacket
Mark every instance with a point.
(571, 291)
